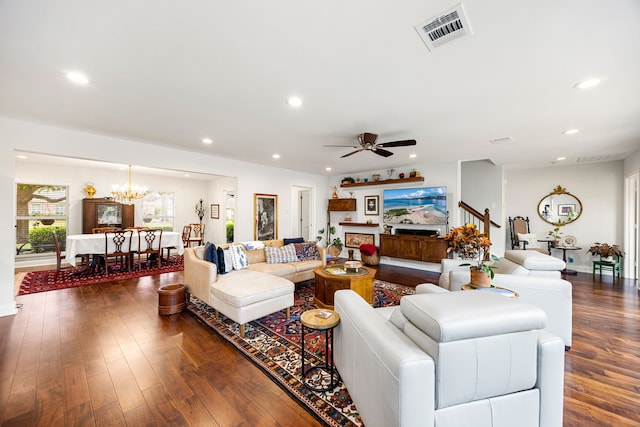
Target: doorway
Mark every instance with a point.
(302, 205)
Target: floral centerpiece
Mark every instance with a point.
(369, 254)
(470, 244)
(605, 250)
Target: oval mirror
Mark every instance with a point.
(559, 207)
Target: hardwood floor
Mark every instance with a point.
(101, 355)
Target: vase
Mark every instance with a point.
(606, 258)
(480, 279)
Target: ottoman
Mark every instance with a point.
(246, 295)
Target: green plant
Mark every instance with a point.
(605, 250)
(555, 233)
(471, 244)
(330, 232)
(41, 238)
(348, 179)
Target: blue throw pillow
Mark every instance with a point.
(210, 253)
(293, 240)
(221, 263)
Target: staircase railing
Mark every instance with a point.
(482, 220)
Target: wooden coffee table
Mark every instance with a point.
(335, 277)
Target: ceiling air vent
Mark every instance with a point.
(502, 140)
(601, 158)
(448, 26)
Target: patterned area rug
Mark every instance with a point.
(45, 280)
(273, 344)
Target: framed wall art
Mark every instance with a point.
(565, 210)
(215, 211)
(354, 240)
(372, 205)
(265, 212)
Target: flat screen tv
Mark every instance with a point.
(419, 206)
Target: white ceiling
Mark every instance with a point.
(170, 73)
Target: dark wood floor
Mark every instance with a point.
(101, 355)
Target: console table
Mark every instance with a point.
(414, 247)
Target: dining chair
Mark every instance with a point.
(186, 231)
(99, 230)
(117, 246)
(150, 245)
(196, 235)
(59, 256)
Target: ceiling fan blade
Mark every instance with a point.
(353, 146)
(381, 152)
(368, 138)
(353, 152)
(398, 143)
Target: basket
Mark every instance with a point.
(370, 259)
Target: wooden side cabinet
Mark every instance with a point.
(105, 212)
(417, 248)
(341, 205)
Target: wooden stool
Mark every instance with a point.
(172, 299)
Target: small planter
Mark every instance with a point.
(47, 221)
(480, 279)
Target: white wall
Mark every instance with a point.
(632, 164)
(251, 178)
(599, 187)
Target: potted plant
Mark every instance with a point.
(555, 234)
(606, 251)
(334, 247)
(348, 180)
(472, 245)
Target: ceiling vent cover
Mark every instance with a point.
(446, 27)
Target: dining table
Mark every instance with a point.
(92, 244)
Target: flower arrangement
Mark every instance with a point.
(605, 250)
(471, 244)
(368, 249)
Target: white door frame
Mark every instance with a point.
(631, 220)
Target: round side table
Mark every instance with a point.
(324, 320)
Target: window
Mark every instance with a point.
(40, 209)
(158, 210)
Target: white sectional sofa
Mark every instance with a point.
(449, 359)
(249, 293)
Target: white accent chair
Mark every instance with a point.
(449, 359)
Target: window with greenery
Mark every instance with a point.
(158, 210)
(40, 209)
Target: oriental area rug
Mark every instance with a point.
(46, 280)
(273, 344)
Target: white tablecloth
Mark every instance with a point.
(85, 244)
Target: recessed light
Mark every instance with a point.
(21, 156)
(413, 156)
(207, 140)
(294, 101)
(276, 156)
(587, 83)
(571, 131)
(327, 169)
(186, 175)
(77, 77)
(561, 158)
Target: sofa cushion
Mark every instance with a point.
(238, 257)
(211, 253)
(222, 267)
(302, 266)
(281, 255)
(533, 260)
(256, 255)
(243, 287)
(306, 251)
(280, 270)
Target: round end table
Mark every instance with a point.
(324, 320)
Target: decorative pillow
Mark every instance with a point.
(281, 255)
(221, 261)
(210, 253)
(228, 260)
(293, 240)
(257, 244)
(306, 251)
(239, 257)
(530, 238)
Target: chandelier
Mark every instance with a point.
(128, 193)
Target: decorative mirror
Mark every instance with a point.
(559, 207)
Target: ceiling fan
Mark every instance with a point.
(368, 143)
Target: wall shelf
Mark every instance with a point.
(357, 224)
(384, 182)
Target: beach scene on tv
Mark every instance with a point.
(426, 206)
